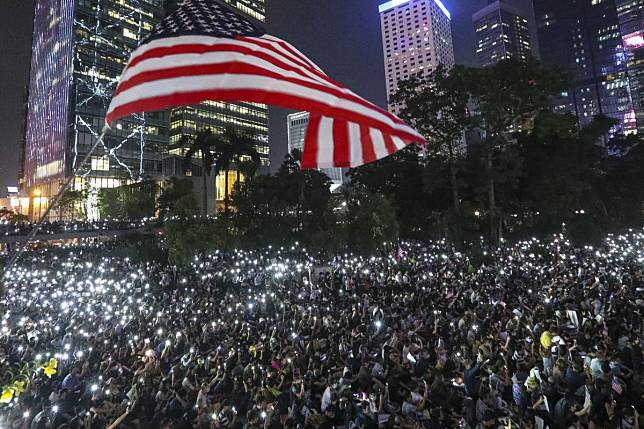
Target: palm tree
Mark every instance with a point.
(232, 146)
(204, 143)
(222, 150)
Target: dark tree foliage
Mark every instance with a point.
(401, 178)
(561, 164)
(371, 221)
(437, 107)
(530, 172)
(135, 201)
(203, 144)
(70, 206)
(291, 205)
(621, 183)
(507, 98)
(178, 199)
(185, 238)
(222, 151)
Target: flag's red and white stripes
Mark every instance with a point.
(338, 143)
(345, 129)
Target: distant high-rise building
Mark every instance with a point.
(583, 38)
(297, 124)
(250, 118)
(502, 32)
(79, 50)
(416, 38)
(631, 21)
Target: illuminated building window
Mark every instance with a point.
(100, 163)
(128, 33)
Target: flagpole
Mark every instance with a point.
(38, 225)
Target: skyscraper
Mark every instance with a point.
(631, 21)
(296, 126)
(502, 32)
(79, 50)
(582, 37)
(250, 118)
(416, 38)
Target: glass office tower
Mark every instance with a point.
(583, 38)
(250, 118)
(502, 32)
(631, 22)
(79, 51)
(416, 38)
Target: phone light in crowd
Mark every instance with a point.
(263, 414)
(378, 324)
(94, 387)
(54, 408)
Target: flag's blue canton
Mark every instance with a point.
(203, 18)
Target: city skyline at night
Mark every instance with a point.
(356, 58)
(369, 77)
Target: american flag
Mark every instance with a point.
(204, 51)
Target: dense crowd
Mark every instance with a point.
(533, 334)
(10, 228)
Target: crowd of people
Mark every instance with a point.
(10, 228)
(531, 335)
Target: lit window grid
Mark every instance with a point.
(80, 49)
(251, 118)
(416, 37)
(253, 8)
(501, 34)
(101, 51)
(591, 51)
(48, 104)
(631, 18)
(217, 115)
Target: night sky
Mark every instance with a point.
(341, 36)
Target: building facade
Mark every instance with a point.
(250, 118)
(79, 50)
(502, 32)
(416, 38)
(631, 21)
(297, 123)
(583, 38)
